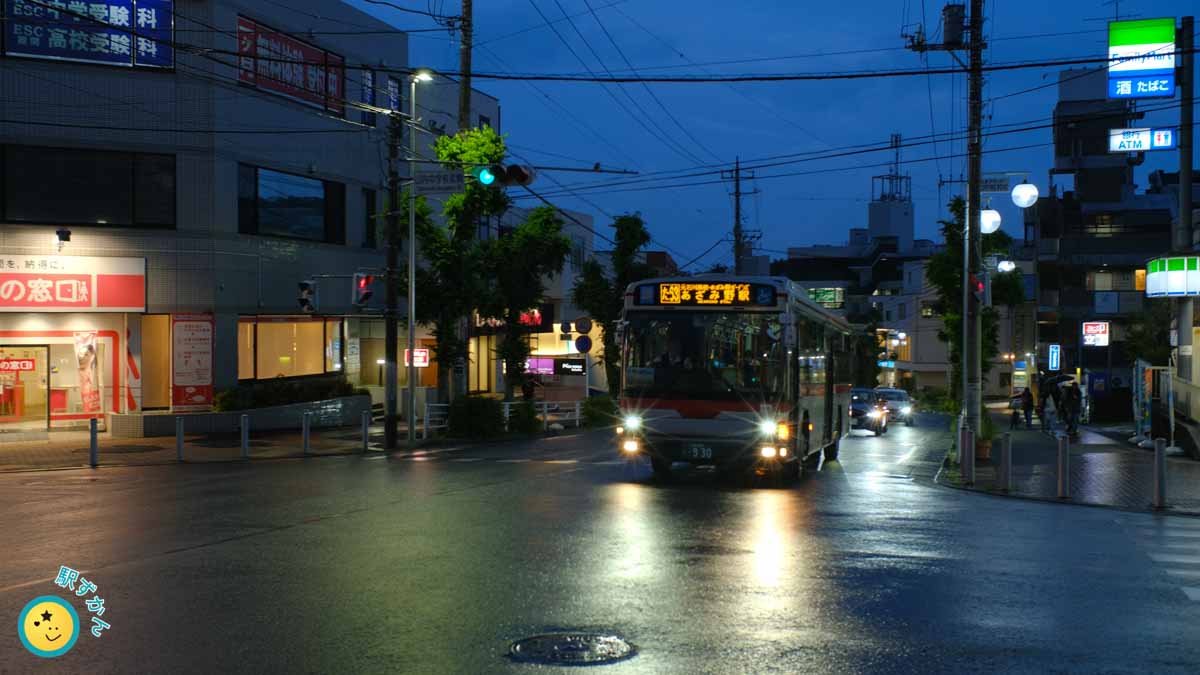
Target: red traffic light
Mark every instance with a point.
(365, 280)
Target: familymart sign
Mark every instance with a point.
(1141, 58)
(1173, 277)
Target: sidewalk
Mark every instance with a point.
(1104, 471)
(70, 449)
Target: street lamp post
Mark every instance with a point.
(411, 411)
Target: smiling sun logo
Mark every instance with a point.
(48, 626)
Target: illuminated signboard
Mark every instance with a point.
(1095, 334)
(422, 358)
(114, 32)
(282, 64)
(1173, 276)
(1141, 58)
(1140, 140)
(706, 294)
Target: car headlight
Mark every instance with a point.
(633, 423)
(907, 410)
(875, 413)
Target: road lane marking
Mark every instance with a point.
(562, 461)
(1172, 558)
(467, 459)
(1184, 574)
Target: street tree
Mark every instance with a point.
(1149, 336)
(517, 265)
(452, 281)
(601, 295)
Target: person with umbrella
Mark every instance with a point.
(1027, 407)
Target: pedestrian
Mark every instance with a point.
(1027, 407)
(1073, 402)
(1046, 412)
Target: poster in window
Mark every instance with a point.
(85, 357)
(192, 361)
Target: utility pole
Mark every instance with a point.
(737, 215)
(391, 277)
(464, 66)
(972, 342)
(1184, 42)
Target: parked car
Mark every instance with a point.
(867, 411)
(900, 406)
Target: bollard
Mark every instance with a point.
(1160, 473)
(968, 465)
(305, 426)
(1064, 467)
(93, 449)
(366, 430)
(1006, 479)
(179, 439)
(245, 437)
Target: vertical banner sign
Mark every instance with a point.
(1055, 357)
(130, 33)
(192, 361)
(1141, 58)
(279, 63)
(85, 359)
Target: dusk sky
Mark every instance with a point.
(757, 120)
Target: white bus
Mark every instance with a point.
(744, 373)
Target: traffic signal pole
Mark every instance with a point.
(1185, 236)
(391, 329)
(972, 339)
(411, 411)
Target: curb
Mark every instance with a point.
(937, 480)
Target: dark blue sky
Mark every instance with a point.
(756, 120)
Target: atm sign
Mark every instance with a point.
(17, 365)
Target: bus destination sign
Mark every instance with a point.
(706, 294)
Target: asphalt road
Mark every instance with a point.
(435, 564)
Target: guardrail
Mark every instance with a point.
(437, 416)
(566, 413)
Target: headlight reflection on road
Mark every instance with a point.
(771, 532)
(630, 559)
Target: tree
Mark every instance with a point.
(453, 282)
(945, 272)
(517, 265)
(602, 296)
(865, 348)
(1149, 337)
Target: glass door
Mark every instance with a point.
(24, 396)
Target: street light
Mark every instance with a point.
(1006, 266)
(418, 75)
(1025, 195)
(989, 221)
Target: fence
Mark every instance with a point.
(437, 415)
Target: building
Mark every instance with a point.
(163, 204)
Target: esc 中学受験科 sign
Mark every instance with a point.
(1141, 58)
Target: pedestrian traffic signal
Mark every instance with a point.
(499, 175)
(980, 290)
(308, 295)
(361, 289)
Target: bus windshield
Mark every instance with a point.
(705, 355)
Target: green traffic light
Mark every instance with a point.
(486, 177)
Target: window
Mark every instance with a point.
(286, 347)
(104, 187)
(1139, 280)
(286, 205)
(902, 311)
(368, 96)
(156, 361)
(484, 121)
(1100, 281)
(927, 310)
(370, 225)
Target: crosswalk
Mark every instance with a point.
(1173, 544)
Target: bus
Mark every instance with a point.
(743, 373)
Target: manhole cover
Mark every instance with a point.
(571, 649)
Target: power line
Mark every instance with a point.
(406, 10)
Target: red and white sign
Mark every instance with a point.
(192, 361)
(56, 283)
(280, 63)
(1095, 334)
(422, 358)
(17, 365)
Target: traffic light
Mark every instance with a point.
(499, 175)
(976, 288)
(308, 295)
(981, 289)
(361, 289)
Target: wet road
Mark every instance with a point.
(435, 564)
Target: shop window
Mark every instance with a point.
(156, 361)
(273, 348)
(287, 205)
(1139, 280)
(246, 349)
(928, 310)
(333, 346)
(106, 188)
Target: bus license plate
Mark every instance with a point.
(697, 451)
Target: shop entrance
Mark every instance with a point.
(24, 394)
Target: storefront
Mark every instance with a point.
(560, 371)
(65, 355)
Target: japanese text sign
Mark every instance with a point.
(113, 32)
(192, 361)
(282, 64)
(422, 358)
(17, 365)
(1140, 140)
(707, 294)
(72, 284)
(1095, 333)
(1141, 58)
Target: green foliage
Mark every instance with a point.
(516, 265)
(1008, 289)
(523, 419)
(865, 349)
(266, 393)
(1148, 338)
(600, 411)
(987, 427)
(602, 297)
(476, 417)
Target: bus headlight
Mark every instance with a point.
(768, 452)
(630, 446)
(633, 422)
(779, 430)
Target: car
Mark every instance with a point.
(900, 406)
(867, 411)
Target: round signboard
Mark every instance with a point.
(564, 327)
(583, 344)
(583, 325)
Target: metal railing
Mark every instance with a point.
(437, 416)
(566, 413)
